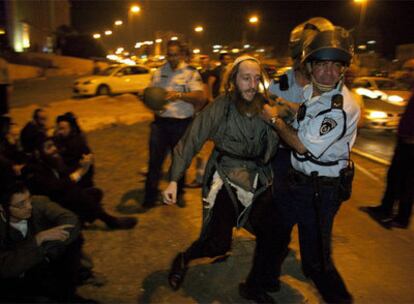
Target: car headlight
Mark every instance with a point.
(368, 93)
(395, 98)
(87, 82)
(377, 115)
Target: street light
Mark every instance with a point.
(174, 38)
(96, 36)
(254, 19)
(107, 33)
(135, 9)
(198, 29)
(118, 22)
(159, 40)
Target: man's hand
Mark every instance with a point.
(169, 195)
(18, 169)
(269, 112)
(86, 161)
(58, 233)
(173, 95)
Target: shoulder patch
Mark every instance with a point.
(337, 101)
(328, 124)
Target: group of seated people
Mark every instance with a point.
(47, 195)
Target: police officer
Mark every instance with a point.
(185, 94)
(321, 138)
(289, 87)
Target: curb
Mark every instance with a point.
(371, 157)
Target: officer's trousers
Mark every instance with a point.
(400, 181)
(165, 134)
(216, 238)
(295, 205)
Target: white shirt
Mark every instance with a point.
(183, 79)
(321, 134)
(293, 94)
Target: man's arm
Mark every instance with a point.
(286, 132)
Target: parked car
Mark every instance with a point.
(382, 88)
(113, 80)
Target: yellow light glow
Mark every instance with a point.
(107, 33)
(135, 9)
(96, 36)
(254, 19)
(360, 1)
(158, 40)
(118, 22)
(2, 32)
(377, 115)
(174, 38)
(196, 51)
(235, 51)
(198, 29)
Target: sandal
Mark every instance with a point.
(177, 272)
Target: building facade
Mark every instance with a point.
(30, 25)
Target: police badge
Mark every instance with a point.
(328, 124)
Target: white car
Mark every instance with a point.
(114, 80)
(382, 88)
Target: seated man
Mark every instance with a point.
(46, 175)
(73, 146)
(33, 129)
(40, 248)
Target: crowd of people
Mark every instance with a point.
(47, 197)
(280, 157)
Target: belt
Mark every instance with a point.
(301, 178)
(171, 119)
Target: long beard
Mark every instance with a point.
(246, 107)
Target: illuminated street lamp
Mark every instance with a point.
(198, 29)
(135, 9)
(118, 22)
(158, 40)
(107, 33)
(96, 36)
(174, 38)
(196, 51)
(253, 19)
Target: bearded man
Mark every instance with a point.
(238, 178)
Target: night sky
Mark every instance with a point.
(388, 22)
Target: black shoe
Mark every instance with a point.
(378, 215)
(194, 184)
(253, 294)
(396, 223)
(177, 271)
(126, 222)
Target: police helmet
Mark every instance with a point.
(298, 34)
(334, 45)
(154, 98)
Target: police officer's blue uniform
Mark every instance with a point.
(169, 126)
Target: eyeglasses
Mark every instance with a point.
(22, 204)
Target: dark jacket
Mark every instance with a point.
(31, 135)
(19, 254)
(72, 149)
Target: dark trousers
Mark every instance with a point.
(4, 99)
(400, 183)
(217, 235)
(165, 134)
(55, 279)
(296, 205)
